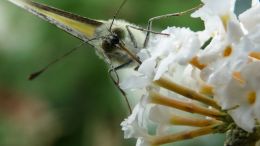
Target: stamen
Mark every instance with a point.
(251, 97)
(207, 90)
(227, 52)
(195, 62)
(190, 121)
(184, 135)
(185, 106)
(187, 92)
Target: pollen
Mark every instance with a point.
(251, 97)
(255, 55)
(227, 52)
(207, 90)
(237, 76)
(195, 62)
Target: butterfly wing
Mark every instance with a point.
(80, 27)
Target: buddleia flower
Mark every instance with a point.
(207, 80)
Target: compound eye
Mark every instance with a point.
(106, 45)
(115, 40)
(120, 33)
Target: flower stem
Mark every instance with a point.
(191, 121)
(184, 135)
(184, 105)
(187, 92)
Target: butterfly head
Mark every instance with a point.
(117, 43)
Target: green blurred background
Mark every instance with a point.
(74, 103)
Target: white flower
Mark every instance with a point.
(255, 2)
(245, 94)
(227, 57)
(223, 72)
(179, 47)
(135, 125)
(215, 15)
(177, 74)
(174, 53)
(250, 19)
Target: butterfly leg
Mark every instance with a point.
(141, 29)
(131, 36)
(115, 79)
(150, 21)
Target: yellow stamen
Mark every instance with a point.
(251, 97)
(187, 92)
(207, 90)
(195, 62)
(255, 55)
(184, 105)
(227, 52)
(184, 135)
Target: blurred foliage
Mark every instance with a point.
(86, 105)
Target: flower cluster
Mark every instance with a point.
(198, 79)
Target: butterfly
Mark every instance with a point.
(117, 42)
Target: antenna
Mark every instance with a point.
(39, 72)
(116, 14)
